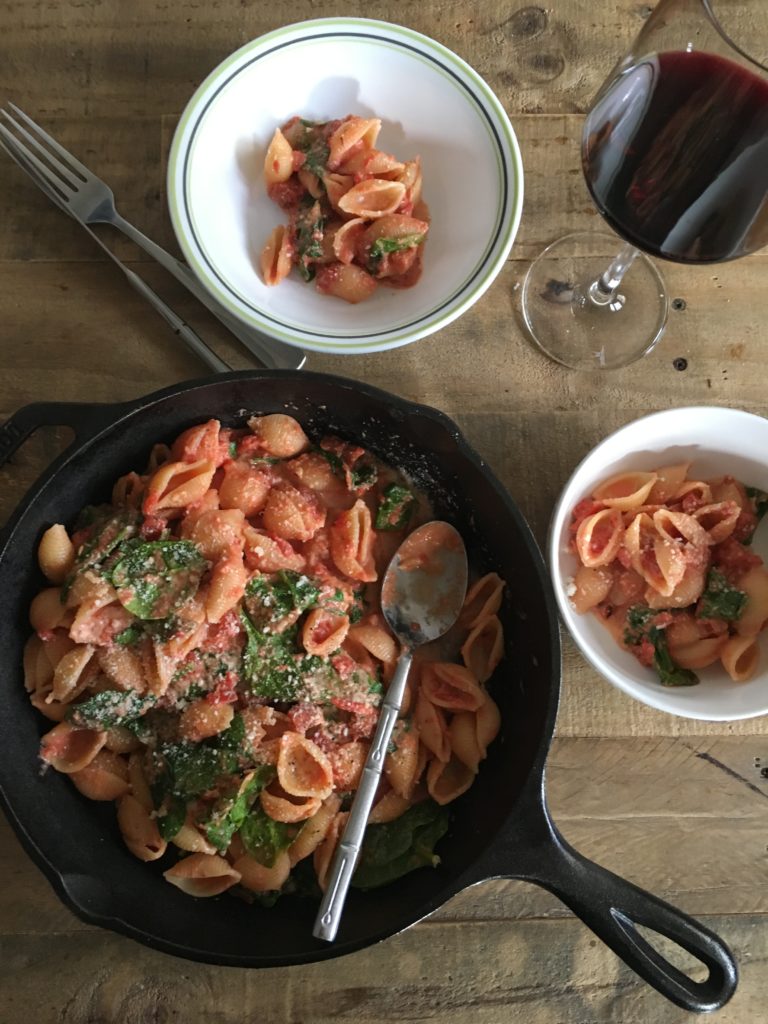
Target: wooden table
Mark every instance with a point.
(675, 805)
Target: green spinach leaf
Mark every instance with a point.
(309, 228)
(720, 600)
(395, 508)
(265, 838)
(229, 812)
(171, 817)
(109, 708)
(383, 246)
(670, 674)
(152, 578)
(268, 599)
(392, 850)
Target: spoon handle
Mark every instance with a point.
(345, 860)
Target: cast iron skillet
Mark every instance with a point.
(500, 828)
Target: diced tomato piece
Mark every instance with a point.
(645, 652)
(745, 526)
(225, 692)
(734, 559)
(222, 634)
(152, 527)
(286, 193)
(357, 707)
(305, 717)
(344, 665)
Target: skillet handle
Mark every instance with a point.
(612, 907)
(82, 417)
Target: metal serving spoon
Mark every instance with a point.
(421, 597)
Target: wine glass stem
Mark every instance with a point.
(602, 292)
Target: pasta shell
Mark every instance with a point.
(411, 178)
(740, 656)
(201, 719)
(128, 491)
(668, 481)
(719, 520)
(276, 258)
(390, 807)
(591, 586)
(73, 673)
(278, 161)
(56, 553)
(347, 239)
(259, 878)
(402, 762)
(46, 612)
(373, 163)
(336, 186)
(68, 749)
(351, 541)
(754, 616)
(625, 491)
(599, 537)
(323, 632)
(483, 648)
(191, 840)
(323, 855)
(177, 484)
(483, 599)
(433, 728)
(464, 741)
(104, 778)
(352, 135)
(677, 527)
(302, 768)
(202, 874)
(372, 198)
(293, 514)
(451, 686)
(313, 831)
(446, 781)
(277, 804)
(139, 829)
(345, 281)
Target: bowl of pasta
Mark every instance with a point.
(195, 657)
(337, 212)
(658, 559)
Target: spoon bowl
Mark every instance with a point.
(425, 584)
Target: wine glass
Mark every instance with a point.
(675, 155)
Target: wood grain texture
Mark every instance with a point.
(678, 807)
(501, 951)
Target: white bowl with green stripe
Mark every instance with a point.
(432, 104)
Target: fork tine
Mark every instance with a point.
(13, 147)
(65, 155)
(57, 167)
(21, 160)
(22, 155)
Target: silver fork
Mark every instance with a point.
(180, 327)
(91, 201)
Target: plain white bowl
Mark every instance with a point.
(432, 104)
(716, 441)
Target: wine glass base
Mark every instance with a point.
(570, 327)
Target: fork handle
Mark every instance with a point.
(272, 353)
(180, 327)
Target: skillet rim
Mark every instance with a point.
(101, 419)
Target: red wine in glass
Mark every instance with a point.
(675, 153)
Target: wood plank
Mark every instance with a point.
(488, 973)
(699, 843)
(146, 57)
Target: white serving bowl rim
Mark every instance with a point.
(390, 332)
(716, 698)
